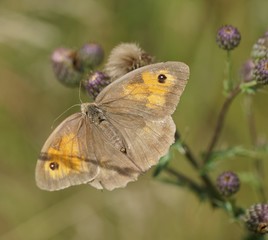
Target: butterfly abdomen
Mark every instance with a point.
(105, 127)
(112, 135)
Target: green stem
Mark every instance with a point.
(210, 188)
(186, 181)
(254, 140)
(189, 155)
(220, 121)
(228, 72)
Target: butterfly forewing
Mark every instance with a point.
(151, 91)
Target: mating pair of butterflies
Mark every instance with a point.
(121, 135)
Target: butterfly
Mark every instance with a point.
(119, 136)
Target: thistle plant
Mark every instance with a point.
(76, 68)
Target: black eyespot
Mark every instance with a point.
(54, 166)
(162, 78)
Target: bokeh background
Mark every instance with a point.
(31, 99)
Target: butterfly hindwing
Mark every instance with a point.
(145, 143)
(149, 141)
(116, 169)
(67, 158)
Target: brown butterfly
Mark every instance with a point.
(121, 135)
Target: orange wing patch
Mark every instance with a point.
(153, 90)
(64, 158)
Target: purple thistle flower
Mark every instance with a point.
(89, 56)
(63, 64)
(261, 71)
(228, 37)
(247, 71)
(256, 218)
(95, 83)
(228, 183)
(260, 48)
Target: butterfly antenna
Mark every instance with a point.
(79, 92)
(80, 99)
(62, 114)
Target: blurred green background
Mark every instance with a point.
(31, 99)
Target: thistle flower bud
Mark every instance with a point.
(63, 64)
(247, 71)
(124, 58)
(261, 71)
(256, 218)
(260, 48)
(228, 183)
(89, 56)
(228, 37)
(95, 83)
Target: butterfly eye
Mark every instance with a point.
(162, 78)
(54, 166)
